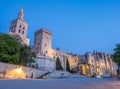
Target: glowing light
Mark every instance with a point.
(85, 70)
(98, 76)
(16, 73)
(19, 70)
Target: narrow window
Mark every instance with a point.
(24, 28)
(14, 30)
(19, 30)
(22, 32)
(45, 45)
(20, 26)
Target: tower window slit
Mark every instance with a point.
(20, 26)
(22, 32)
(19, 30)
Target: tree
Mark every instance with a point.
(9, 49)
(116, 55)
(67, 66)
(26, 56)
(58, 64)
(13, 52)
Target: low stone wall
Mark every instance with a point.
(30, 72)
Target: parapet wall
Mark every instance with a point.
(29, 72)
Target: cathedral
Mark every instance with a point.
(88, 64)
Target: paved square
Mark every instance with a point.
(73, 83)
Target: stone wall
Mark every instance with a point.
(30, 72)
(45, 63)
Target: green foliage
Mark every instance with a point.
(58, 64)
(116, 55)
(67, 66)
(26, 56)
(9, 49)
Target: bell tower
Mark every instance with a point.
(20, 27)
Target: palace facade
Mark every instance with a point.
(89, 64)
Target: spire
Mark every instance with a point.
(21, 14)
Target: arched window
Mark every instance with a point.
(20, 26)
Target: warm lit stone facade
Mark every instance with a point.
(20, 27)
(43, 47)
(96, 63)
(99, 64)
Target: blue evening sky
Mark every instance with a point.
(78, 26)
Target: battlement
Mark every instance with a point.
(43, 30)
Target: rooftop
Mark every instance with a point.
(44, 30)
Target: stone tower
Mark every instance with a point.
(43, 42)
(20, 27)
